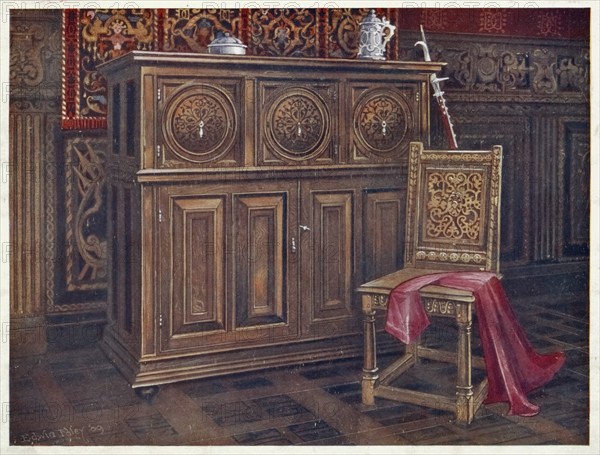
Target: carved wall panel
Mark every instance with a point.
(511, 67)
(85, 194)
(34, 78)
(574, 166)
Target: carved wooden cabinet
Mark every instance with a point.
(247, 198)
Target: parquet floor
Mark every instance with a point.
(76, 397)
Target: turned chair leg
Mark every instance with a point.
(464, 384)
(370, 370)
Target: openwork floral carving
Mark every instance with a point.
(454, 205)
(199, 123)
(382, 123)
(299, 124)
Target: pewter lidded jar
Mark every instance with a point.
(374, 35)
(227, 44)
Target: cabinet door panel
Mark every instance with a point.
(326, 238)
(298, 122)
(224, 266)
(260, 259)
(193, 271)
(385, 118)
(383, 231)
(201, 122)
(332, 217)
(198, 264)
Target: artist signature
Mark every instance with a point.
(69, 433)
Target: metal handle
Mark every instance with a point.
(293, 245)
(388, 36)
(201, 129)
(304, 228)
(383, 127)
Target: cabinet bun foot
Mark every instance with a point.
(147, 393)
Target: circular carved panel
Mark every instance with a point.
(382, 121)
(199, 123)
(297, 124)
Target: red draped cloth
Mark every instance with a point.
(513, 367)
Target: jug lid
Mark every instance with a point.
(371, 18)
(227, 40)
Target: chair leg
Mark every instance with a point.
(464, 385)
(370, 370)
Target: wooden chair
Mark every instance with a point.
(452, 224)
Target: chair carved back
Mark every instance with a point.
(453, 209)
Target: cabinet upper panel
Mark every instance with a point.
(199, 122)
(206, 112)
(384, 121)
(298, 122)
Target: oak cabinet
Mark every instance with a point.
(247, 198)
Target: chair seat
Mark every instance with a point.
(385, 284)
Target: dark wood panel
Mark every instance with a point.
(327, 236)
(198, 290)
(383, 221)
(259, 256)
(385, 118)
(194, 298)
(333, 220)
(298, 122)
(575, 186)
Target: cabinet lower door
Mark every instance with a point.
(224, 263)
(327, 235)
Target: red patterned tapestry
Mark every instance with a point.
(94, 36)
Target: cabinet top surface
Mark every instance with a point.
(155, 59)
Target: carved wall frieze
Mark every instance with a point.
(34, 73)
(510, 69)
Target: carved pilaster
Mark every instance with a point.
(34, 91)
